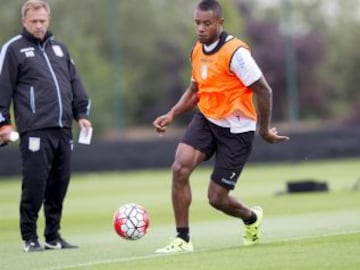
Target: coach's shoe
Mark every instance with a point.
(252, 231)
(32, 246)
(177, 245)
(59, 244)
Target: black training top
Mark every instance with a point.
(42, 81)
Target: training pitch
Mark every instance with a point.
(312, 230)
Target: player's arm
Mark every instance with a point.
(187, 102)
(263, 94)
(247, 70)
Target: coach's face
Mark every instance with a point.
(36, 22)
(208, 26)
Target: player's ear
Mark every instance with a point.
(220, 24)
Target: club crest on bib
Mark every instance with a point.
(204, 71)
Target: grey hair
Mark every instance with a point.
(34, 4)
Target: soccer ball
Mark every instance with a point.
(131, 221)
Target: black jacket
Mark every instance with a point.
(43, 83)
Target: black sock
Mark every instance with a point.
(183, 233)
(251, 219)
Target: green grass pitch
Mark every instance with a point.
(300, 231)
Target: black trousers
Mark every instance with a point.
(46, 160)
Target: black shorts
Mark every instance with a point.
(231, 150)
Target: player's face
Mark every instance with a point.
(36, 22)
(208, 26)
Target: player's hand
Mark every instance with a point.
(271, 136)
(161, 123)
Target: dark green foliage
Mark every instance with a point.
(133, 55)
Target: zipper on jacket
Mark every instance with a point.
(61, 110)
(32, 100)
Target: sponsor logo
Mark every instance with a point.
(28, 246)
(57, 246)
(231, 180)
(227, 181)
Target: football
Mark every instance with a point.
(131, 221)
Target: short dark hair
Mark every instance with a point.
(212, 5)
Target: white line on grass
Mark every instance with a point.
(151, 256)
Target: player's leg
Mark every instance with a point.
(186, 160)
(231, 156)
(196, 146)
(220, 199)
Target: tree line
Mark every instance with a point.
(133, 55)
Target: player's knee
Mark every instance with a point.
(216, 201)
(180, 170)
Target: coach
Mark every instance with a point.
(38, 76)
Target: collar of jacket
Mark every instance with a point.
(30, 37)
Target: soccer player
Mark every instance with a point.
(39, 77)
(224, 79)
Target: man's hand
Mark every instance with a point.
(161, 123)
(271, 136)
(84, 123)
(5, 132)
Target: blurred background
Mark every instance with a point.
(133, 56)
